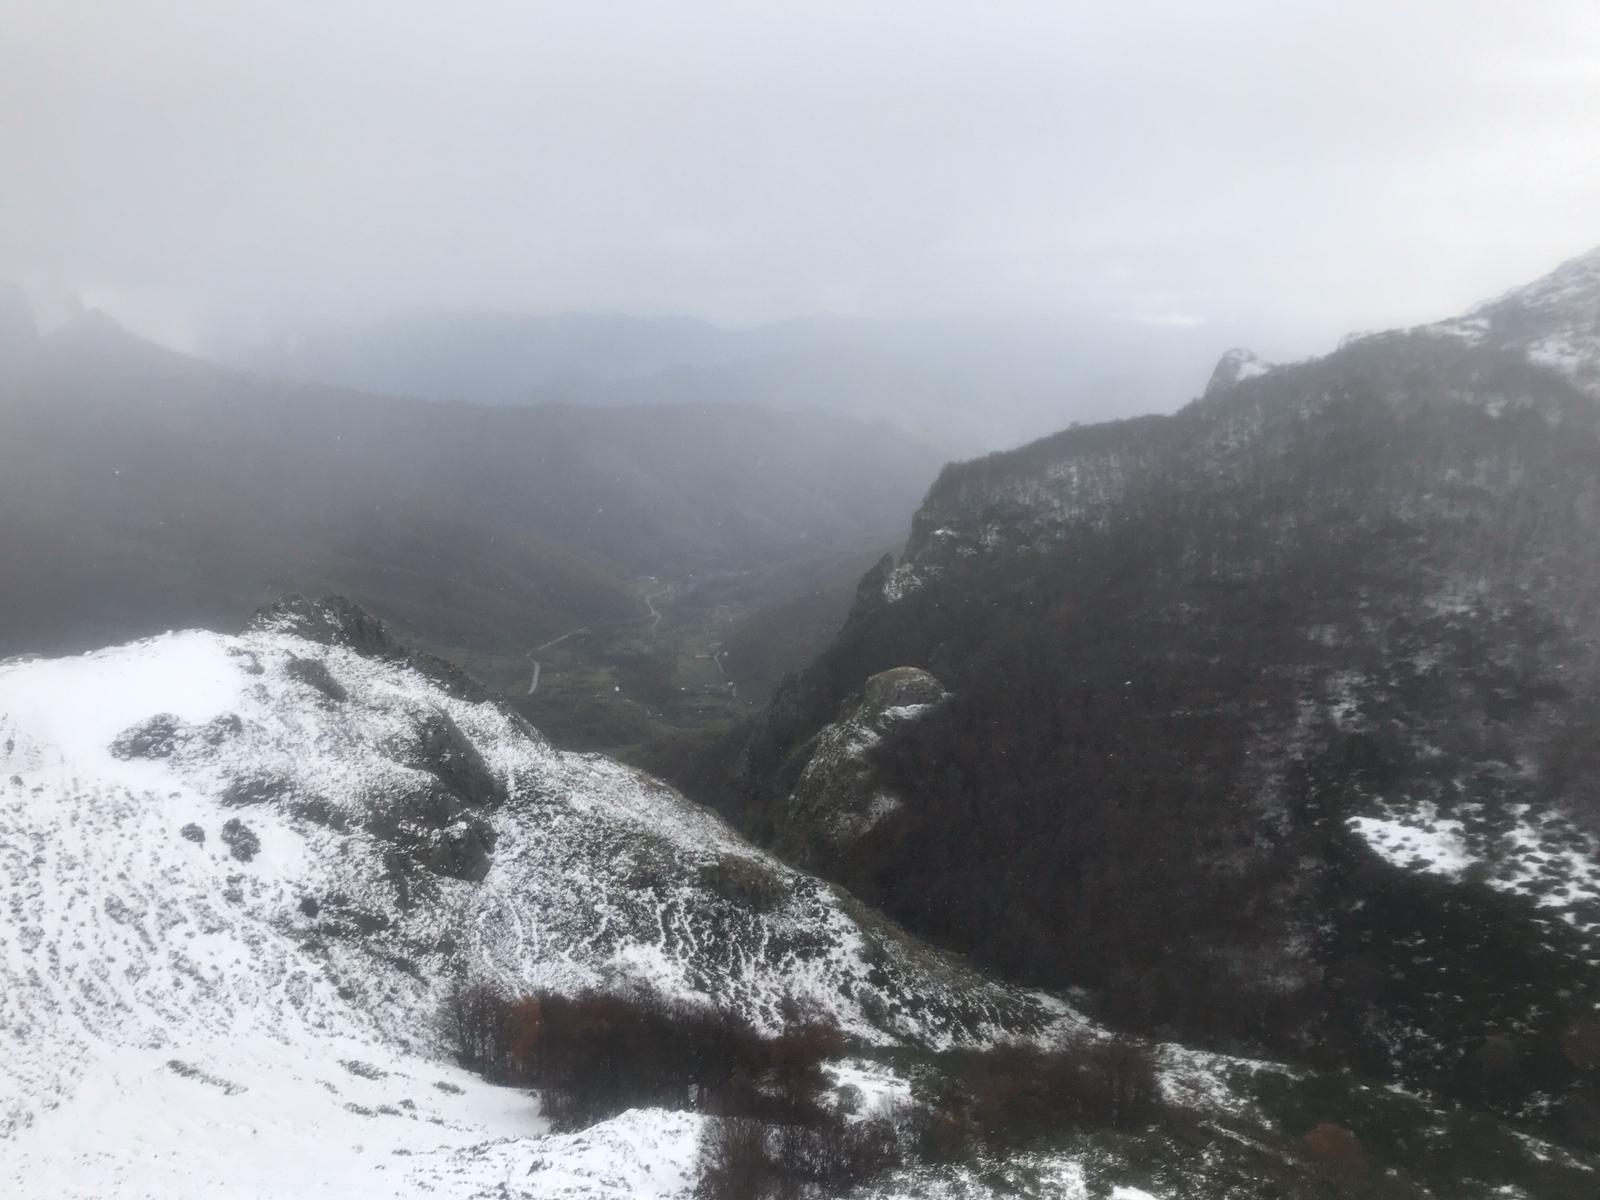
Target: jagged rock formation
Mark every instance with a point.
(1234, 367)
(1271, 720)
(836, 798)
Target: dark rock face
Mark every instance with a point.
(1189, 655)
(331, 621)
(431, 829)
(164, 735)
(441, 749)
(320, 811)
(314, 673)
(463, 852)
(254, 789)
(155, 738)
(240, 839)
(441, 825)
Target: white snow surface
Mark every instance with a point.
(177, 1021)
(1420, 839)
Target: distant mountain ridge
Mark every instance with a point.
(141, 489)
(506, 357)
(969, 385)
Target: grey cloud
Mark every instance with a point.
(1292, 170)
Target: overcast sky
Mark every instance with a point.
(1298, 168)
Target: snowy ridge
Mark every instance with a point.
(239, 874)
(1554, 320)
(1029, 499)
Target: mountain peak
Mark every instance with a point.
(1235, 367)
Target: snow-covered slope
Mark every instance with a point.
(1555, 321)
(239, 875)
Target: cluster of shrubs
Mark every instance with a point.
(985, 1101)
(595, 1054)
(1012, 1096)
(744, 1158)
(778, 1128)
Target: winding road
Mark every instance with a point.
(653, 616)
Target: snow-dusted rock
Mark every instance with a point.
(837, 798)
(1235, 367)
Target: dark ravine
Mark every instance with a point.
(1202, 666)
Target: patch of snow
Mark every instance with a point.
(1418, 839)
(1201, 1080)
(1040, 1176)
(880, 1087)
(1539, 855)
(901, 582)
(647, 1154)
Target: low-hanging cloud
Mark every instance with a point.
(1295, 169)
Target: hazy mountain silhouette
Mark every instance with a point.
(142, 489)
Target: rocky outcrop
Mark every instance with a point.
(1235, 367)
(840, 796)
(340, 621)
(441, 822)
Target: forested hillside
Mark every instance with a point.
(1271, 721)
